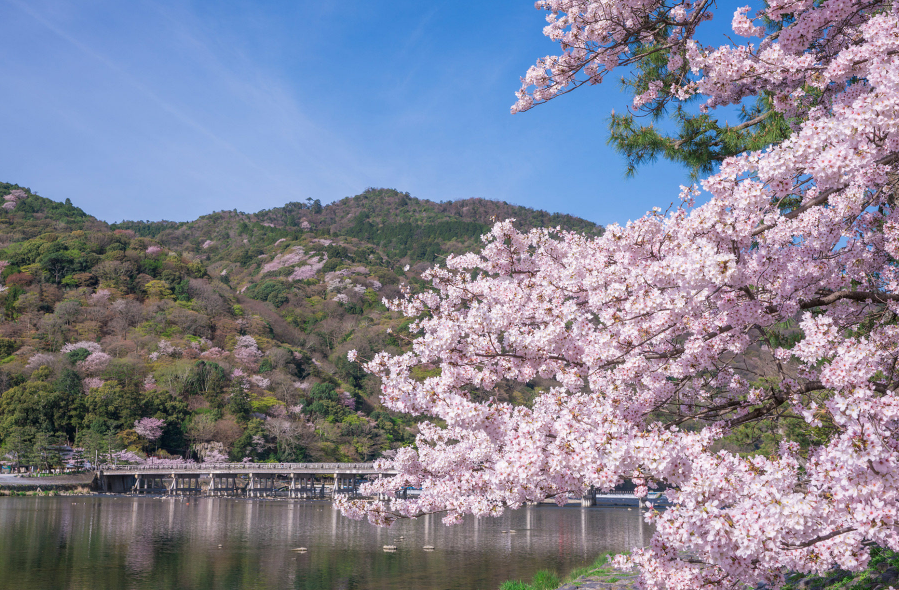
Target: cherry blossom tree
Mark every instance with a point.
(215, 456)
(165, 348)
(212, 452)
(774, 302)
(89, 383)
(246, 349)
(13, 198)
(346, 399)
(87, 345)
(95, 363)
(39, 360)
(149, 428)
(260, 381)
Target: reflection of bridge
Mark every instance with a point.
(291, 480)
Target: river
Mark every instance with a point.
(123, 543)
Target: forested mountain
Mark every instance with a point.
(232, 329)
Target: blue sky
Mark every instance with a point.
(173, 109)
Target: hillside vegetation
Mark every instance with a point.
(230, 331)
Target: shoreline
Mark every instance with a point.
(70, 485)
(597, 576)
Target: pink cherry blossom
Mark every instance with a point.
(677, 319)
(290, 257)
(149, 428)
(215, 456)
(260, 381)
(86, 344)
(246, 349)
(39, 360)
(95, 363)
(100, 297)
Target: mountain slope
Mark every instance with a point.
(233, 328)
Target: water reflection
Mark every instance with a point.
(142, 543)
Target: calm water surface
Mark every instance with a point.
(121, 543)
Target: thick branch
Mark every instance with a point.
(874, 296)
(822, 198)
(818, 539)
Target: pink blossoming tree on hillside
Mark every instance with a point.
(149, 428)
(246, 349)
(776, 300)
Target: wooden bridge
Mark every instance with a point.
(251, 480)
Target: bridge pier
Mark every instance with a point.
(589, 498)
(262, 485)
(185, 484)
(222, 484)
(345, 485)
(149, 484)
(301, 486)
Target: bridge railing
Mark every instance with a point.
(254, 467)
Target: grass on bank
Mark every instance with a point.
(882, 571)
(548, 580)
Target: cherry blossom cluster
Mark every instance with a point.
(100, 297)
(165, 348)
(347, 400)
(246, 349)
(776, 299)
(291, 257)
(810, 56)
(260, 381)
(95, 363)
(212, 452)
(149, 428)
(214, 353)
(307, 271)
(12, 199)
(85, 344)
(215, 456)
(39, 360)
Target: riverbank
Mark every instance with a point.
(882, 573)
(597, 576)
(78, 484)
